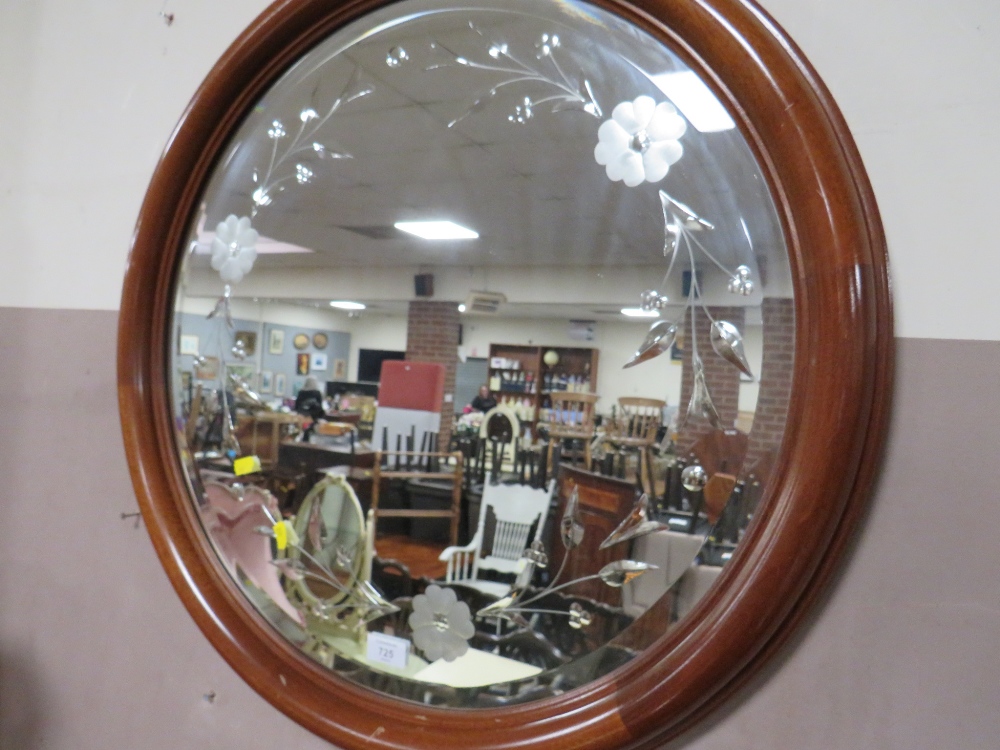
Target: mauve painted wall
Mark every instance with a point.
(96, 651)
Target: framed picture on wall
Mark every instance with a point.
(279, 384)
(276, 341)
(318, 362)
(340, 369)
(208, 369)
(246, 373)
(302, 364)
(266, 376)
(247, 340)
(320, 340)
(188, 344)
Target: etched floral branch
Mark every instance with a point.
(680, 224)
(287, 162)
(566, 93)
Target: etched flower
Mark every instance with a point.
(442, 625)
(640, 141)
(233, 251)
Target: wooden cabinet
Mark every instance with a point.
(259, 434)
(603, 503)
(523, 376)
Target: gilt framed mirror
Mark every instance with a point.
(595, 369)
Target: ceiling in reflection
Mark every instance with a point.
(532, 190)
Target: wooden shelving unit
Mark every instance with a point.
(519, 372)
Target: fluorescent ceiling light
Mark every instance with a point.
(638, 312)
(436, 230)
(343, 304)
(695, 101)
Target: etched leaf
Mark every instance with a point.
(566, 105)
(571, 528)
(659, 339)
(636, 524)
(592, 106)
(473, 108)
(728, 344)
(701, 400)
(620, 572)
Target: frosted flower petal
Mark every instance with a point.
(639, 143)
(441, 624)
(233, 249)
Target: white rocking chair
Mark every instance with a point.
(516, 509)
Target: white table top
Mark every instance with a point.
(474, 669)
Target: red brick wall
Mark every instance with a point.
(432, 336)
(775, 378)
(722, 378)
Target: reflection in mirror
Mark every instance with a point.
(483, 344)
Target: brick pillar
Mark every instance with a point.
(775, 378)
(432, 336)
(722, 378)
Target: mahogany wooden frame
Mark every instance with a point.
(818, 490)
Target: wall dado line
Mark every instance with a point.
(128, 103)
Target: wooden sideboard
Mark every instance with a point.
(603, 503)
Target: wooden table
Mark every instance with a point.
(260, 434)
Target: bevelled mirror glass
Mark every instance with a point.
(477, 362)
(537, 201)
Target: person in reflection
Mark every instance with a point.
(309, 403)
(484, 401)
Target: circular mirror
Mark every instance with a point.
(587, 293)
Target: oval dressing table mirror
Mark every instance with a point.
(627, 277)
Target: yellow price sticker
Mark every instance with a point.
(246, 465)
(281, 534)
(284, 534)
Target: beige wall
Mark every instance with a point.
(96, 651)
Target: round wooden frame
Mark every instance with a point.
(837, 418)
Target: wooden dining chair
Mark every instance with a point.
(572, 418)
(634, 430)
(499, 434)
